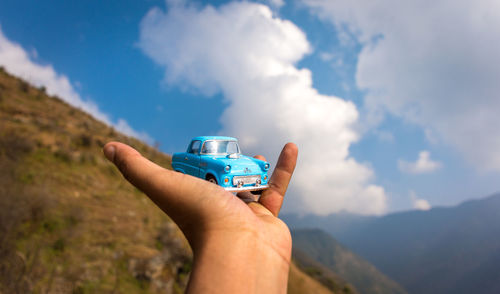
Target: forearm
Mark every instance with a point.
(242, 263)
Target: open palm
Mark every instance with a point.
(215, 222)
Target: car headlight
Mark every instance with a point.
(227, 168)
(266, 166)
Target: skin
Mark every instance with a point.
(238, 246)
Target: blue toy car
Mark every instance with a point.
(218, 160)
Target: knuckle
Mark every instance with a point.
(277, 187)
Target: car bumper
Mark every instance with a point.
(246, 188)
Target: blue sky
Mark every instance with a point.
(380, 97)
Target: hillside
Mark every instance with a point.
(69, 222)
(324, 249)
(301, 283)
(321, 273)
(443, 250)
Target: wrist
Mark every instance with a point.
(241, 262)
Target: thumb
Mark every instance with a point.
(189, 201)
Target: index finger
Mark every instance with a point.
(272, 198)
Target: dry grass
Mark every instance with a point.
(299, 282)
(68, 221)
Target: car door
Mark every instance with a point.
(192, 159)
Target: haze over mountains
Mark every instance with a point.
(443, 250)
(324, 249)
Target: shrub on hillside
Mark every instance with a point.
(24, 86)
(18, 206)
(84, 140)
(14, 146)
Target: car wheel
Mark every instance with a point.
(211, 179)
(258, 192)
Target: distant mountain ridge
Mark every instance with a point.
(443, 250)
(323, 248)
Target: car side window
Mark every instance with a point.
(195, 147)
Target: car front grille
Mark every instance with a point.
(247, 180)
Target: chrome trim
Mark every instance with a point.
(249, 188)
(246, 179)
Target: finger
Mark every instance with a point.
(247, 196)
(181, 196)
(260, 157)
(272, 198)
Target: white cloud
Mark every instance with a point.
(18, 62)
(419, 203)
(243, 51)
(433, 63)
(424, 164)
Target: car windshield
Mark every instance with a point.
(220, 147)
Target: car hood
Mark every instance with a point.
(239, 164)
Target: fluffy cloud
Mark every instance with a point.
(424, 164)
(419, 203)
(17, 61)
(241, 50)
(434, 63)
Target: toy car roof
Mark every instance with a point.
(203, 138)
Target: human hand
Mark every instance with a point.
(238, 247)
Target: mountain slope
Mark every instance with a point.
(322, 273)
(301, 283)
(438, 251)
(69, 222)
(443, 250)
(326, 250)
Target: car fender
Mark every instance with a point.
(213, 173)
(177, 162)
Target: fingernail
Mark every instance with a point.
(109, 152)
